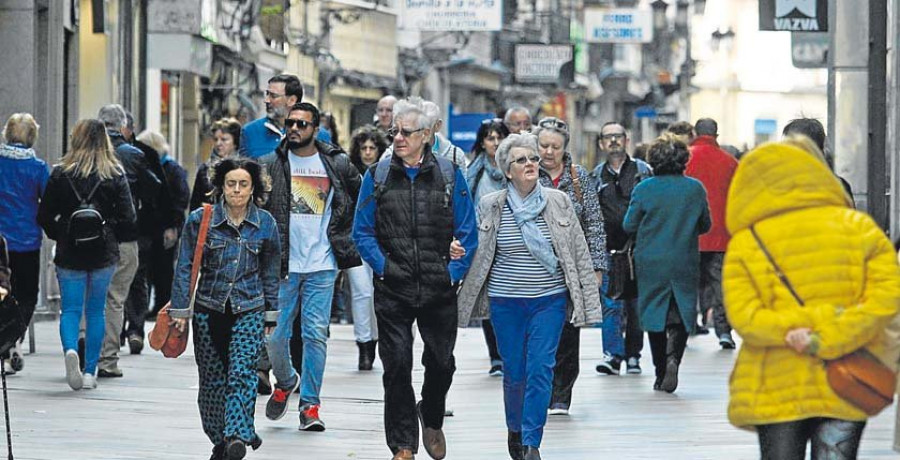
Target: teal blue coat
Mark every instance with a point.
(667, 214)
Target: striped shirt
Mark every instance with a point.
(516, 273)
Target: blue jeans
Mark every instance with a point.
(83, 291)
(615, 313)
(528, 333)
(311, 293)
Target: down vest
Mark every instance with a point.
(345, 182)
(837, 259)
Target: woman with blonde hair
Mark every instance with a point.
(807, 279)
(23, 177)
(87, 203)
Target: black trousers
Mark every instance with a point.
(25, 277)
(669, 343)
(162, 271)
(138, 300)
(437, 321)
(566, 371)
(831, 439)
(711, 290)
(491, 340)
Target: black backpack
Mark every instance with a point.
(85, 224)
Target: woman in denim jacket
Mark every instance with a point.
(236, 300)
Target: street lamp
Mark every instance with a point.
(659, 14)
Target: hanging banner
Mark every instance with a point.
(794, 15)
(452, 15)
(618, 25)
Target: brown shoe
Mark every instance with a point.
(404, 454)
(432, 439)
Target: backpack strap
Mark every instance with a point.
(382, 170)
(78, 195)
(449, 175)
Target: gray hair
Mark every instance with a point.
(113, 116)
(524, 140)
(565, 134)
(413, 107)
(432, 111)
(512, 110)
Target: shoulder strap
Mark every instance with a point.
(576, 183)
(449, 174)
(74, 189)
(198, 249)
(93, 190)
(381, 171)
(778, 272)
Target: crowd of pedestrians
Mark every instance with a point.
(515, 237)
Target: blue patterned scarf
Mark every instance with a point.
(525, 211)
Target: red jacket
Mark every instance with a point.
(714, 168)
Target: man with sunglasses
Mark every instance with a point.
(616, 178)
(406, 218)
(440, 145)
(261, 136)
(314, 188)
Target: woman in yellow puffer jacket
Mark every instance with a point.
(843, 267)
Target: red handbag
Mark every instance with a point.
(165, 337)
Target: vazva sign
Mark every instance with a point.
(794, 15)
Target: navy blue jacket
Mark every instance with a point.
(23, 178)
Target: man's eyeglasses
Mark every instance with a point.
(612, 137)
(272, 95)
(403, 132)
(532, 158)
(554, 123)
(290, 123)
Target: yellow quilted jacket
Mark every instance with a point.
(839, 262)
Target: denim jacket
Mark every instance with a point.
(238, 264)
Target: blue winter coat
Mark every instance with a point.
(668, 214)
(23, 177)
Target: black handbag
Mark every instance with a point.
(622, 278)
(14, 320)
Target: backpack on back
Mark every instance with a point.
(85, 224)
(384, 167)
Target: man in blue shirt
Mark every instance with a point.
(261, 136)
(403, 229)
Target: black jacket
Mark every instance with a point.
(112, 199)
(345, 181)
(615, 196)
(148, 190)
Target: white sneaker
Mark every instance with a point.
(558, 409)
(89, 381)
(8, 368)
(73, 373)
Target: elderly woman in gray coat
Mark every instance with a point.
(531, 265)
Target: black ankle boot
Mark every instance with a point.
(235, 449)
(365, 362)
(670, 381)
(514, 444)
(532, 453)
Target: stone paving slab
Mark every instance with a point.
(151, 413)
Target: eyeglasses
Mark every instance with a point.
(403, 132)
(272, 95)
(290, 123)
(532, 158)
(613, 136)
(491, 120)
(554, 123)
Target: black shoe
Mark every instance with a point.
(135, 344)
(109, 374)
(235, 450)
(514, 444)
(80, 351)
(218, 452)
(365, 361)
(610, 365)
(264, 386)
(726, 342)
(700, 330)
(657, 384)
(670, 381)
(256, 443)
(496, 370)
(532, 453)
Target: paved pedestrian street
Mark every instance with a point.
(151, 413)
